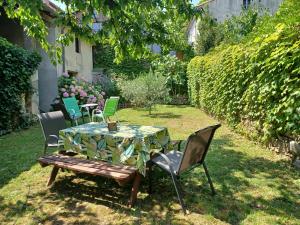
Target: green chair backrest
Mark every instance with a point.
(72, 106)
(110, 106)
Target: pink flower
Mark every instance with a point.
(102, 93)
(65, 74)
(73, 90)
(83, 93)
(65, 94)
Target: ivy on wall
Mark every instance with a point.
(17, 65)
(254, 85)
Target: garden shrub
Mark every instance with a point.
(129, 68)
(168, 66)
(232, 30)
(84, 92)
(254, 85)
(17, 65)
(174, 71)
(146, 90)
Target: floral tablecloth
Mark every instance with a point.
(129, 145)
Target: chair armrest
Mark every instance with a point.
(167, 161)
(53, 136)
(177, 144)
(96, 111)
(72, 113)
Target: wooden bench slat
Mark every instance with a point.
(95, 171)
(93, 164)
(92, 171)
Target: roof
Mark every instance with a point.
(50, 7)
(201, 4)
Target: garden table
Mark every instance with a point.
(87, 107)
(129, 145)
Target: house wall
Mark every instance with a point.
(79, 63)
(47, 74)
(223, 9)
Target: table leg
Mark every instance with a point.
(87, 109)
(53, 175)
(135, 189)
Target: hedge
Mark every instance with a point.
(17, 65)
(254, 85)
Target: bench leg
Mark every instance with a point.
(135, 189)
(53, 175)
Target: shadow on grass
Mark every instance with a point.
(244, 185)
(178, 106)
(166, 115)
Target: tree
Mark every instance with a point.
(209, 35)
(130, 25)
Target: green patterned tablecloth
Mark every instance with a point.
(130, 145)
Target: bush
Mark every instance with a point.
(17, 65)
(209, 35)
(232, 30)
(174, 71)
(145, 91)
(84, 92)
(128, 68)
(254, 85)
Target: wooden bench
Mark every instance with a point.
(120, 173)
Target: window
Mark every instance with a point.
(246, 3)
(77, 45)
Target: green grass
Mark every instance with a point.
(254, 185)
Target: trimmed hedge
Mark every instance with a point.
(17, 65)
(254, 84)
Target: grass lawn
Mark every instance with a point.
(254, 185)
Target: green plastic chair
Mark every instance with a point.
(110, 109)
(73, 109)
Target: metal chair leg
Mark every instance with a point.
(208, 178)
(150, 178)
(178, 192)
(45, 148)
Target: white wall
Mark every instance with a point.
(80, 63)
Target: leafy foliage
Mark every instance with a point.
(232, 30)
(174, 71)
(129, 26)
(129, 68)
(145, 91)
(208, 34)
(254, 84)
(16, 68)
